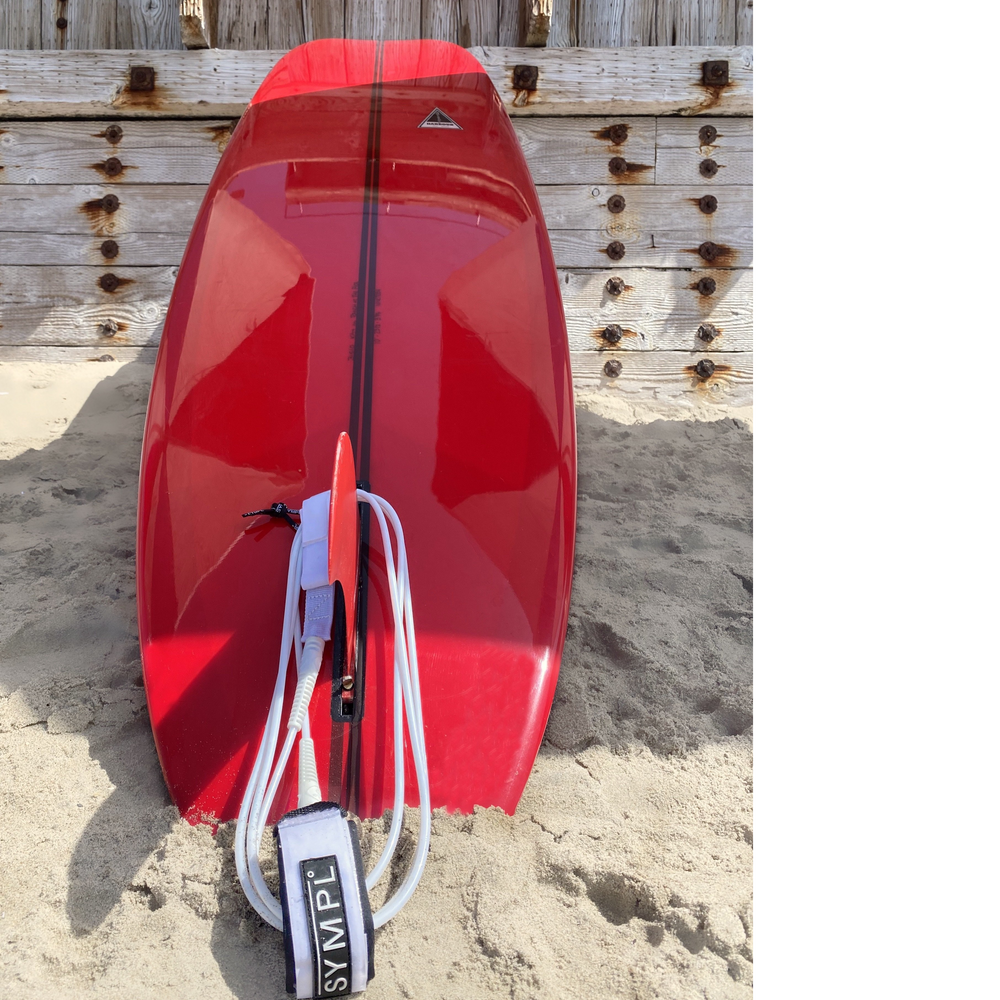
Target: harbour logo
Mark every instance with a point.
(438, 119)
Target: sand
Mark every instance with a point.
(626, 870)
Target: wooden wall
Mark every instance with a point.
(646, 190)
(280, 24)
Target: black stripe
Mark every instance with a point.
(360, 306)
(361, 410)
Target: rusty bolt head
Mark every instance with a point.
(715, 73)
(616, 204)
(109, 249)
(618, 134)
(109, 328)
(617, 165)
(706, 285)
(616, 250)
(705, 368)
(110, 203)
(61, 22)
(708, 332)
(106, 357)
(612, 333)
(708, 168)
(613, 368)
(141, 78)
(709, 251)
(615, 286)
(525, 78)
(708, 203)
(109, 282)
(707, 134)
(113, 133)
(112, 166)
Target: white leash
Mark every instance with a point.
(266, 776)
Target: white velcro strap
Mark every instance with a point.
(315, 527)
(329, 935)
(319, 612)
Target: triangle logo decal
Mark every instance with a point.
(438, 119)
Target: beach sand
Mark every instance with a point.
(626, 870)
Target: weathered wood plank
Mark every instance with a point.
(205, 83)
(76, 152)
(653, 80)
(558, 150)
(440, 19)
(217, 82)
(581, 150)
(148, 24)
(657, 310)
(242, 24)
(45, 353)
(136, 249)
(479, 22)
(643, 248)
(285, 24)
(89, 25)
(615, 22)
(67, 306)
(668, 375)
(509, 32)
(79, 209)
(74, 208)
(323, 18)
(562, 31)
(615, 210)
(744, 22)
(718, 22)
(571, 248)
(696, 22)
(21, 24)
(384, 19)
(657, 226)
(681, 153)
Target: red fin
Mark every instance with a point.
(343, 557)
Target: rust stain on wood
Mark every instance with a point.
(151, 98)
(221, 134)
(524, 82)
(113, 133)
(706, 204)
(615, 134)
(713, 96)
(705, 381)
(101, 221)
(111, 169)
(112, 283)
(715, 253)
(111, 331)
(600, 335)
(619, 167)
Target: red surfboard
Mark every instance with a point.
(370, 257)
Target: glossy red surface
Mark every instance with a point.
(466, 424)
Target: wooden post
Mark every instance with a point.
(198, 23)
(536, 19)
